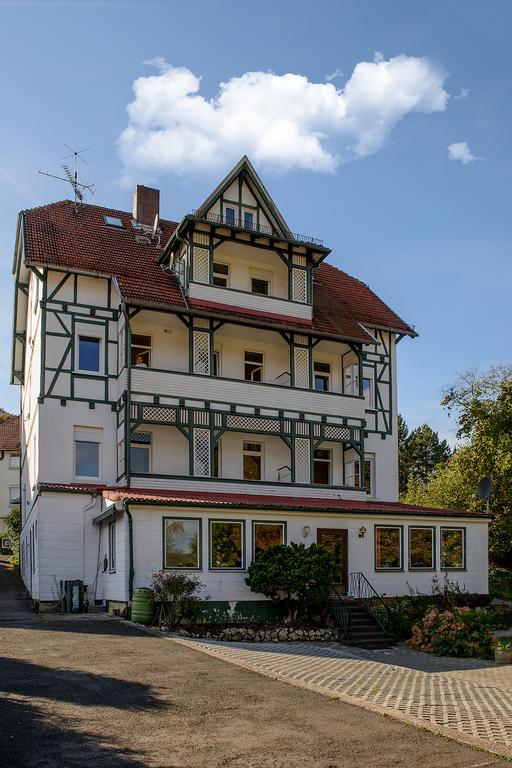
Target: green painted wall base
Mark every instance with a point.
(222, 611)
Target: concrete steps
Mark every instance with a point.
(364, 631)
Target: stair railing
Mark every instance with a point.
(340, 612)
(360, 588)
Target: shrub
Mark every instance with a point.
(463, 632)
(297, 576)
(500, 582)
(176, 597)
(13, 523)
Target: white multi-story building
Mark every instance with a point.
(9, 475)
(193, 392)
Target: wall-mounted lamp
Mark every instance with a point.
(306, 531)
(362, 532)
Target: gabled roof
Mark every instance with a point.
(245, 167)
(59, 236)
(10, 434)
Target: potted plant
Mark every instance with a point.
(503, 650)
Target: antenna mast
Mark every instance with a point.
(71, 177)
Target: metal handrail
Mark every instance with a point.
(263, 229)
(340, 612)
(360, 588)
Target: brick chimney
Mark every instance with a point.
(146, 204)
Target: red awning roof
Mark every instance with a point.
(10, 434)
(255, 501)
(79, 240)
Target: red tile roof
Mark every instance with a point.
(58, 235)
(10, 434)
(256, 501)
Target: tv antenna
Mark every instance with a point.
(71, 176)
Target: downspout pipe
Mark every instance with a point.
(131, 570)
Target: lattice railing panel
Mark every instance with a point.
(302, 460)
(301, 366)
(201, 447)
(337, 433)
(201, 265)
(299, 285)
(249, 423)
(156, 413)
(201, 355)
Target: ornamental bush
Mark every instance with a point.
(176, 596)
(463, 632)
(294, 575)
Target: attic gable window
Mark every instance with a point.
(113, 221)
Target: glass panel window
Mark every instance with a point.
(453, 548)
(113, 221)
(87, 459)
(248, 220)
(216, 363)
(140, 452)
(230, 216)
(226, 544)
(266, 535)
(388, 547)
(368, 392)
(321, 466)
(351, 380)
(368, 475)
(253, 366)
(141, 350)
(111, 547)
(322, 374)
(259, 286)
(14, 494)
(421, 548)
(220, 274)
(253, 461)
(182, 543)
(14, 461)
(89, 353)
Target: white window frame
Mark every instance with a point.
(17, 500)
(260, 453)
(217, 355)
(150, 456)
(92, 334)
(227, 208)
(370, 400)
(142, 346)
(368, 458)
(259, 274)
(254, 352)
(323, 461)
(88, 435)
(112, 547)
(12, 464)
(251, 212)
(223, 276)
(324, 375)
(351, 380)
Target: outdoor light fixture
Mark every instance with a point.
(362, 532)
(306, 531)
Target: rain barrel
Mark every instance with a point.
(142, 606)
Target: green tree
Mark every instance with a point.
(297, 576)
(13, 523)
(5, 416)
(403, 461)
(482, 404)
(419, 453)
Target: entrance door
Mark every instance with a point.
(336, 541)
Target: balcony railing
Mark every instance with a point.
(262, 229)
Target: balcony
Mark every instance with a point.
(260, 229)
(170, 384)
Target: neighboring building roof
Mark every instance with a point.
(10, 434)
(256, 501)
(60, 236)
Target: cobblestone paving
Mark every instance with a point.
(462, 695)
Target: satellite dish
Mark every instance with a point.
(484, 488)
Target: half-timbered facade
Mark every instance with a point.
(193, 391)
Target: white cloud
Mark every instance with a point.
(281, 121)
(461, 151)
(463, 94)
(334, 75)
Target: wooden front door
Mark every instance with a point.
(336, 541)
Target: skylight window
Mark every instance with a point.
(113, 221)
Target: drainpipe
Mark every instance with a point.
(131, 571)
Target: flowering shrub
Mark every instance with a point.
(176, 596)
(463, 632)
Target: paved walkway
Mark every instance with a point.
(463, 698)
(14, 604)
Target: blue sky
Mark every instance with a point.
(431, 235)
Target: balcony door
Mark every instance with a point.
(336, 541)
